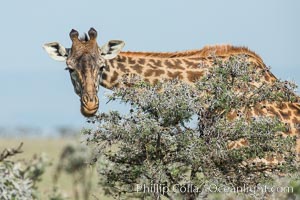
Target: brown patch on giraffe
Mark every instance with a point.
(188, 63)
(111, 63)
(149, 72)
(114, 77)
(194, 75)
(121, 58)
(258, 111)
(174, 64)
(107, 69)
(151, 61)
(122, 67)
(297, 112)
(159, 72)
(295, 107)
(283, 106)
(155, 72)
(155, 81)
(178, 62)
(273, 111)
(137, 68)
(267, 77)
(295, 120)
(131, 61)
(151, 66)
(155, 63)
(158, 63)
(177, 74)
(141, 61)
(168, 63)
(177, 67)
(285, 115)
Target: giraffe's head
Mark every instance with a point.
(85, 62)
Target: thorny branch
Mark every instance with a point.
(10, 152)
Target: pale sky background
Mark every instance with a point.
(36, 91)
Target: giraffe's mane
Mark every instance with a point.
(218, 50)
(176, 54)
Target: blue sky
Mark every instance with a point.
(36, 91)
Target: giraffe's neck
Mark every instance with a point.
(152, 69)
(187, 66)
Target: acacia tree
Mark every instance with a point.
(174, 141)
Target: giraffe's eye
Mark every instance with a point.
(102, 68)
(73, 74)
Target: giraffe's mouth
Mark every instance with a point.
(88, 112)
(89, 105)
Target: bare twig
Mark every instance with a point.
(10, 152)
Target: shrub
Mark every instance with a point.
(174, 141)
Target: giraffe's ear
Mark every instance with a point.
(56, 51)
(112, 49)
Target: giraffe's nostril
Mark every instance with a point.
(85, 98)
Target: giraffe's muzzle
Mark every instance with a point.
(89, 104)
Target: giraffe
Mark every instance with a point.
(90, 66)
